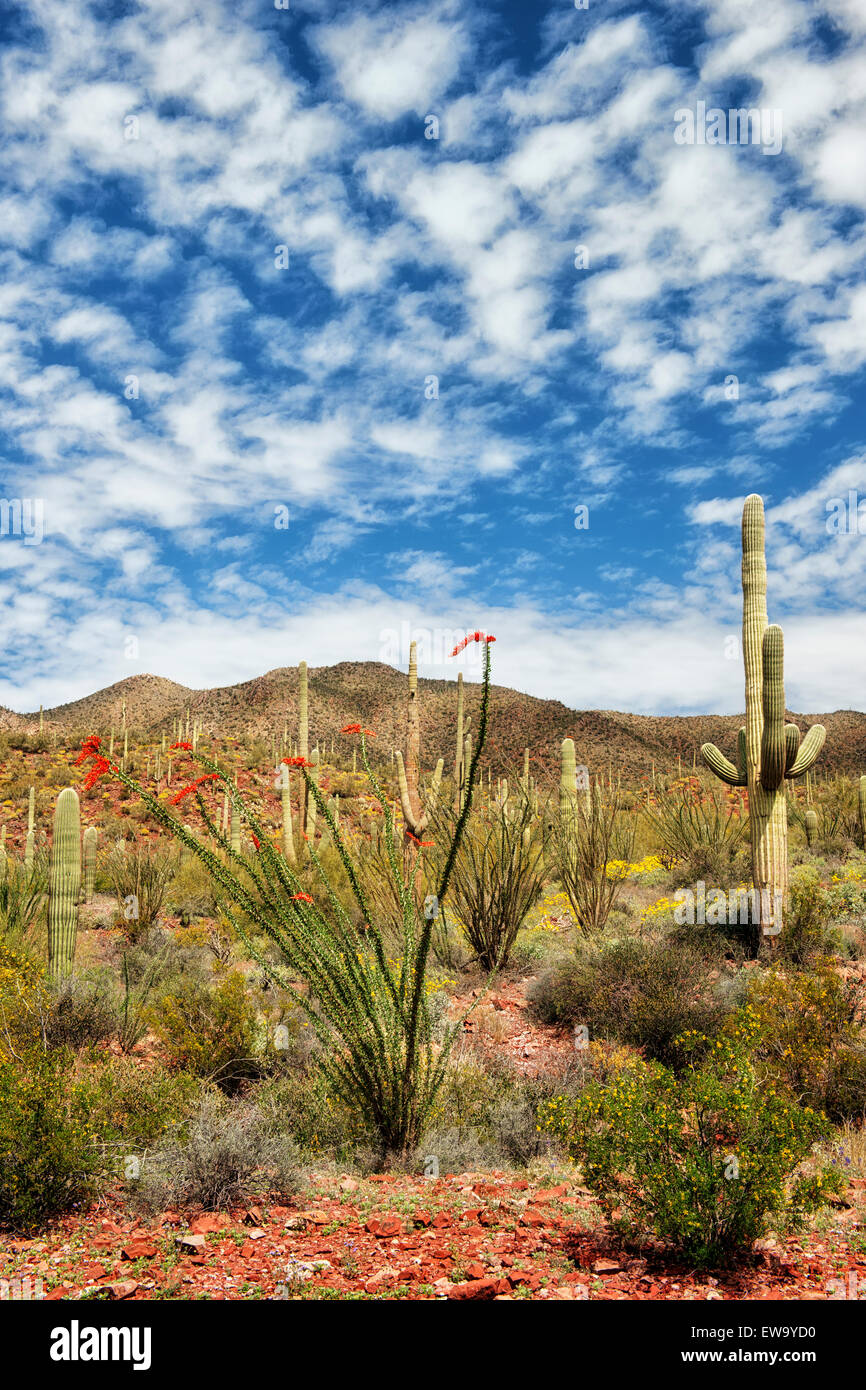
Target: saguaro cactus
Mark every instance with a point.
(810, 825)
(64, 884)
(415, 813)
(768, 749)
(89, 843)
(861, 810)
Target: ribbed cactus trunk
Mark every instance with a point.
(568, 799)
(288, 830)
(89, 845)
(769, 750)
(861, 810)
(235, 836)
(64, 884)
(810, 824)
(303, 733)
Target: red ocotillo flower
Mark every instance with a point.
(301, 898)
(255, 840)
(356, 729)
(89, 749)
(188, 746)
(422, 844)
(99, 768)
(471, 637)
(297, 762)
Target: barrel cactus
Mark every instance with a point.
(64, 883)
(768, 749)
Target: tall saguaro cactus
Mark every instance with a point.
(416, 813)
(89, 846)
(861, 810)
(768, 749)
(64, 884)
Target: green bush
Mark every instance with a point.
(641, 992)
(83, 1010)
(137, 1106)
(703, 1159)
(51, 1155)
(210, 1029)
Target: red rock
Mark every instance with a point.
(92, 1272)
(209, 1221)
(422, 1217)
(385, 1227)
(606, 1267)
(475, 1271)
(487, 1218)
(383, 1279)
(442, 1218)
(123, 1288)
(550, 1194)
(143, 1248)
(475, 1289)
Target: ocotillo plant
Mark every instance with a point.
(89, 842)
(64, 884)
(768, 749)
(367, 1002)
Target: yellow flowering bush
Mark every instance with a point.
(702, 1159)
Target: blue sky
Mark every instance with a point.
(431, 385)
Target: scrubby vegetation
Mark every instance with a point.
(498, 973)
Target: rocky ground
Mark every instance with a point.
(471, 1236)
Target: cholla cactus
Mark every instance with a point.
(768, 749)
(90, 836)
(64, 884)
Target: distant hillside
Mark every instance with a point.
(375, 694)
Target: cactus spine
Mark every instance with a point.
(64, 883)
(768, 749)
(89, 842)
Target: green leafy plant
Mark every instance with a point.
(704, 1159)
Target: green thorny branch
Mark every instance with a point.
(387, 1065)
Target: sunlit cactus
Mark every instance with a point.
(768, 749)
(64, 884)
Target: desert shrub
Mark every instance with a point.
(22, 898)
(806, 934)
(698, 829)
(703, 1159)
(51, 1154)
(299, 1105)
(641, 992)
(210, 1029)
(137, 1106)
(190, 894)
(808, 1036)
(496, 879)
(226, 1155)
(585, 850)
(139, 877)
(82, 1010)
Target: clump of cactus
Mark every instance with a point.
(768, 749)
(64, 884)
